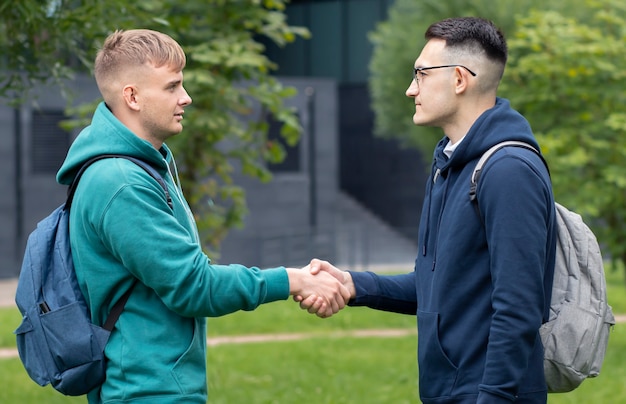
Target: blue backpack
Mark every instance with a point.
(57, 342)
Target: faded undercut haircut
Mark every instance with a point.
(471, 36)
(135, 48)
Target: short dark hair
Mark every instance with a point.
(471, 32)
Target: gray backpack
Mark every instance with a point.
(576, 335)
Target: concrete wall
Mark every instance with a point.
(8, 200)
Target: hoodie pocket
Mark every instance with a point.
(192, 364)
(437, 374)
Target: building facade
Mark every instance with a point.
(386, 178)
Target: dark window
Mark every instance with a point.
(50, 142)
(291, 163)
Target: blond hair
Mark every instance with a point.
(131, 49)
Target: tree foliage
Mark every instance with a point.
(227, 75)
(46, 42)
(567, 77)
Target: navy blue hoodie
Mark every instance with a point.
(482, 283)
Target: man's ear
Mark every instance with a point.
(461, 80)
(130, 97)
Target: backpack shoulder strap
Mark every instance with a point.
(147, 167)
(117, 309)
(491, 151)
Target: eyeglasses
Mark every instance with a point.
(418, 70)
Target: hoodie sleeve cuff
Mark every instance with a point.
(365, 285)
(277, 283)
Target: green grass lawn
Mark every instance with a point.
(320, 370)
(328, 367)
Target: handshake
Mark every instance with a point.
(321, 288)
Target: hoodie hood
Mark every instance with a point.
(495, 125)
(107, 135)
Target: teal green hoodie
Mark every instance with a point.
(123, 232)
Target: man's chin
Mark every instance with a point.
(176, 131)
(421, 122)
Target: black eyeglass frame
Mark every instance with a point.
(421, 69)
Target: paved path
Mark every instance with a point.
(7, 292)
(8, 353)
(7, 299)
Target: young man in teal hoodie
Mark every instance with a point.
(482, 281)
(124, 234)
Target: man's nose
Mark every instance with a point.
(186, 100)
(413, 89)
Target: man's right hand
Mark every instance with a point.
(315, 267)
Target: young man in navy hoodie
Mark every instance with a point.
(482, 281)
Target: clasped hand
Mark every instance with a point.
(321, 288)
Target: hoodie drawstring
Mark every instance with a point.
(179, 193)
